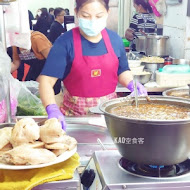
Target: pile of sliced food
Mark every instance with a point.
(29, 144)
(153, 59)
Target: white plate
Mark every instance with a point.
(66, 155)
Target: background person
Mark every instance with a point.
(51, 12)
(44, 22)
(57, 28)
(142, 21)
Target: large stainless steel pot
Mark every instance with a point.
(157, 45)
(165, 142)
(180, 92)
(141, 44)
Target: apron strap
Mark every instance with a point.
(78, 44)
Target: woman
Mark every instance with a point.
(35, 57)
(44, 22)
(142, 22)
(91, 60)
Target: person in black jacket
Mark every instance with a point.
(31, 17)
(44, 22)
(57, 28)
(51, 12)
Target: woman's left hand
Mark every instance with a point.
(140, 89)
(129, 34)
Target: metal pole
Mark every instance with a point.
(3, 39)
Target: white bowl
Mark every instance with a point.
(137, 69)
(134, 63)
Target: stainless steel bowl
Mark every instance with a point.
(153, 67)
(180, 61)
(143, 78)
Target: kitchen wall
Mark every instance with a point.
(177, 26)
(112, 22)
(187, 43)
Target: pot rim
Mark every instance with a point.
(157, 36)
(108, 103)
(152, 63)
(164, 93)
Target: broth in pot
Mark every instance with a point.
(152, 111)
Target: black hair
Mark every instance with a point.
(45, 15)
(51, 9)
(145, 4)
(57, 11)
(67, 12)
(80, 3)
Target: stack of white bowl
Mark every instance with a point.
(135, 66)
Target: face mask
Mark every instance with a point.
(92, 27)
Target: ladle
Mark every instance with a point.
(136, 92)
(142, 32)
(189, 89)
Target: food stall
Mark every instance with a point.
(117, 152)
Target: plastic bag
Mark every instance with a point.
(5, 67)
(18, 32)
(29, 104)
(5, 63)
(33, 86)
(22, 100)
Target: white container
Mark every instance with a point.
(172, 80)
(134, 63)
(137, 69)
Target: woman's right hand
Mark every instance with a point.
(129, 34)
(54, 112)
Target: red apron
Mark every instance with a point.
(92, 79)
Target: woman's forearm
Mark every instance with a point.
(125, 78)
(46, 89)
(15, 65)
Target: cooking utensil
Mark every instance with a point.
(157, 45)
(143, 77)
(141, 44)
(148, 99)
(101, 144)
(142, 32)
(161, 142)
(182, 92)
(136, 92)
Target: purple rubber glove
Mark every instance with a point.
(54, 112)
(140, 88)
